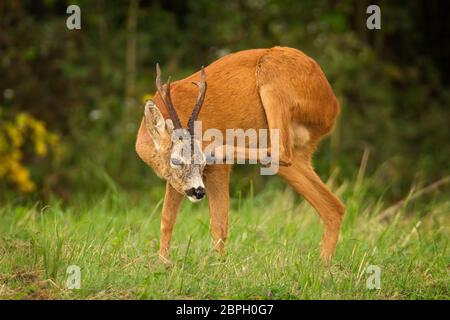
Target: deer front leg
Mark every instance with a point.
(171, 206)
(216, 183)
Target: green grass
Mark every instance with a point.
(272, 251)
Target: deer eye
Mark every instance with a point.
(176, 161)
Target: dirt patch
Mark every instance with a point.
(28, 285)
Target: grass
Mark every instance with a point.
(272, 251)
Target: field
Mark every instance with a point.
(272, 251)
(80, 211)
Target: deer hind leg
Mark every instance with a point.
(276, 107)
(171, 206)
(305, 181)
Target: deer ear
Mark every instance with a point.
(154, 122)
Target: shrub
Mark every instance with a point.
(24, 138)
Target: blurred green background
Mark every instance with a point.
(71, 100)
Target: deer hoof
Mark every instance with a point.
(166, 261)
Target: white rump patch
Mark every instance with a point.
(301, 135)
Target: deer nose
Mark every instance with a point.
(198, 193)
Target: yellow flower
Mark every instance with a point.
(14, 135)
(22, 119)
(40, 147)
(20, 176)
(39, 128)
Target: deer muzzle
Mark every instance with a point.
(195, 194)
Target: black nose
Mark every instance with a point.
(196, 192)
(200, 192)
(190, 192)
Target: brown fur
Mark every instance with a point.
(263, 88)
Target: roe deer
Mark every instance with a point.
(278, 88)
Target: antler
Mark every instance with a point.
(167, 99)
(198, 105)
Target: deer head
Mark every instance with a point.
(178, 156)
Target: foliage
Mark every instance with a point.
(86, 84)
(19, 136)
